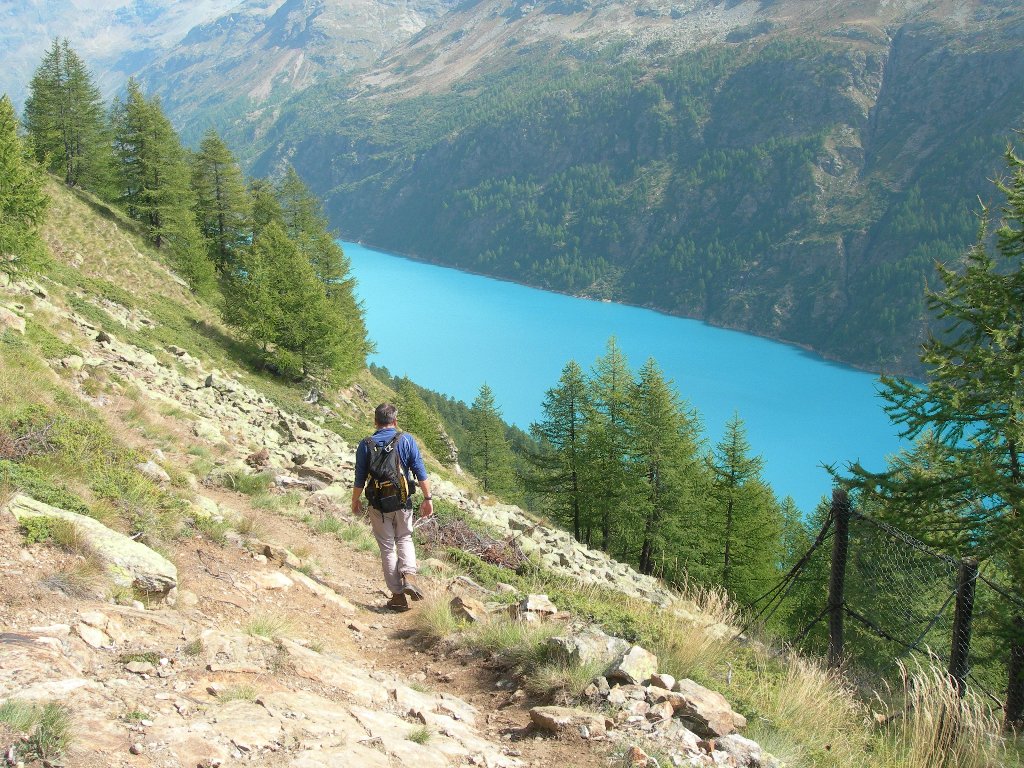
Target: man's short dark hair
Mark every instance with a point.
(385, 414)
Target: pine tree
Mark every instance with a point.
(22, 200)
(559, 467)
(489, 457)
(222, 201)
(748, 516)
(962, 488)
(607, 440)
(666, 466)
(64, 116)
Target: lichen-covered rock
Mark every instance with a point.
(588, 646)
(129, 562)
(635, 666)
(9, 320)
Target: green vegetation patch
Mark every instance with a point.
(47, 728)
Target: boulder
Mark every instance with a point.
(663, 680)
(154, 471)
(318, 474)
(570, 721)
(259, 459)
(533, 607)
(635, 666)
(129, 562)
(468, 609)
(744, 752)
(589, 646)
(709, 712)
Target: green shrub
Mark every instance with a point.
(36, 529)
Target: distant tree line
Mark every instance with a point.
(261, 248)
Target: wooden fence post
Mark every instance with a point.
(960, 648)
(837, 579)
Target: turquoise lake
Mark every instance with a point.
(451, 331)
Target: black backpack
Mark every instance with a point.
(387, 488)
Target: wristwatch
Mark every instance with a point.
(428, 498)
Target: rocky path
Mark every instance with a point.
(337, 682)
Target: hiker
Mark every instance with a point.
(395, 453)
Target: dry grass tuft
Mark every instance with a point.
(936, 729)
(268, 625)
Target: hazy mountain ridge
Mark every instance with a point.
(264, 51)
(116, 37)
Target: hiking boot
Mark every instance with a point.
(410, 588)
(397, 603)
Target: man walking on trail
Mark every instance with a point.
(393, 530)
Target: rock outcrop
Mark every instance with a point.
(131, 564)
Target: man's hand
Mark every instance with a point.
(426, 508)
(357, 508)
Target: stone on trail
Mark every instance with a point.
(468, 608)
(129, 562)
(566, 720)
(634, 667)
(663, 680)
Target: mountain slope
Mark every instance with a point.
(785, 170)
(264, 49)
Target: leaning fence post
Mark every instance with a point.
(837, 579)
(960, 648)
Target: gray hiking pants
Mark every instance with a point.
(393, 531)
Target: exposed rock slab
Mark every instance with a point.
(130, 563)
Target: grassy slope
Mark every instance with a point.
(796, 710)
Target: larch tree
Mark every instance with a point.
(746, 514)
(264, 207)
(153, 179)
(607, 439)
(962, 487)
(559, 469)
(153, 182)
(64, 115)
(490, 457)
(416, 416)
(22, 199)
(665, 463)
(303, 220)
(221, 200)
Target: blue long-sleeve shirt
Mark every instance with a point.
(408, 455)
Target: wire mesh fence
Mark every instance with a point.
(894, 598)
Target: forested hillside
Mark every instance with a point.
(794, 183)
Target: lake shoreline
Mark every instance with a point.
(804, 348)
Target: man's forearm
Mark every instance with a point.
(356, 493)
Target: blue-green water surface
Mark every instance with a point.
(451, 331)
